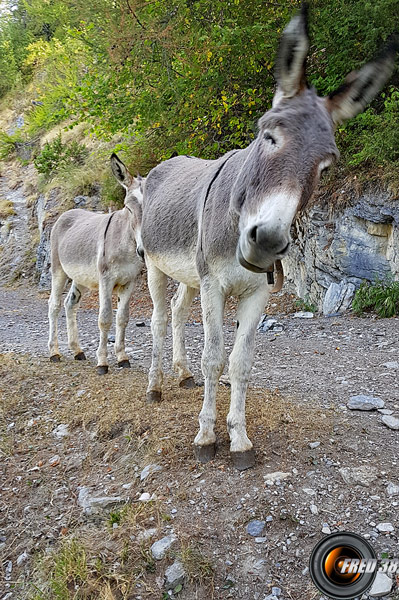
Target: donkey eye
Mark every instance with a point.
(269, 138)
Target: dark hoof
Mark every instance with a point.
(153, 397)
(80, 356)
(205, 453)
(102, 369)
(243, 460)
(188, 383)
(124, 364)
(55, 358)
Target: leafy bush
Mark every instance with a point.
(381, 297)
(56, 156)
(8, 144)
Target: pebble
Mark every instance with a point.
(255, 528)
(276, 591)
(145, 497)
(363, 475)
(260, 540)
(385, 411)
(174, 575)
(160, 548)
(61, 430)
(391, 422)
(391, 365)
(80, 393)
(381, 587)
(325, 529)
(363, 402)
(22, 558)
(313, 509)
(392, 489)
(54, 460)
(95, 504)
(270, 478)
(385, 527)
(314, 445)
(148, 470)
(303, 315)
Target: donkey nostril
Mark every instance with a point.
(252, 234)
(284, 250)
(140, 252)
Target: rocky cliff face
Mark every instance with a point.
(335, 250)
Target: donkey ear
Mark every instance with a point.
(360, 87)
(291, 55)
(120, 172)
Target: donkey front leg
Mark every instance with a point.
(213, 360)
(181, 302)
(249, 312)
(71, 304)
(104, 323)
(157, 281)
(58, 280)
(122, 319)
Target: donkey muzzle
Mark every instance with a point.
(259, 247)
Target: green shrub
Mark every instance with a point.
(381, 297)
(56, 156)
(8, 144)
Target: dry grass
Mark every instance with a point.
(6, 209)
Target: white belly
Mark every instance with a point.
(182, 268)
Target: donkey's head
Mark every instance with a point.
(294, 145)
(133, 198)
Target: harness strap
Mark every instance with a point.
(106, 230)
(208, 191)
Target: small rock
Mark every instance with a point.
(363, 402)
(314, 445)
(313, 509)
(391, 365)
(392, 489)
(111, 339)
(174, 575)
(277, 476)
(260, 540)
(61, 431)
(381, 587)
(391, 422)
(80, 393)
(147, 534)
(269, 519)
(325, 529)
(160, 548)
(92, 504)
(22, 558)
(303, 315)
(145, 497)
(54, 460)
(276, 591)
(363, 475)
(255, 528)
(385, 411)
(148, 470)
(385, 527)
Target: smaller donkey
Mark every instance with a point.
(97, 251)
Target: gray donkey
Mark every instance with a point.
(98, 252)
(219, 225)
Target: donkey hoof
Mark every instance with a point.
(205, 453)
(243, 460)
(153, 397)
(124, 364)
(188, 383)
(55, 358)
(102, 369)
(80, 356)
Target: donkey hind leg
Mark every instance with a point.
(249, 312)
(122, 319)
(181, 302)
(213, 360)
(58, 280)
(157, 281)
(104, 323)
(72, 302)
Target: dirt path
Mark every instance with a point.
(339, 465)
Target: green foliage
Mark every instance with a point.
(192, 76)
(57, 156)
(381, 297)
(8, 144)
(305, 304)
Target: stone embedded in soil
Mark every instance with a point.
(326, 529)
(381, 587)
(61, 430)
(314, 445)
(385, 527)
(363, 475)
(174, 575)
(160, 548)
(392, 489)
(303, 315)
(22, 558)
(145, 497)
(149, 470)
(270, 478)
(276, 591)
(255, 527)
(391, 365)
(391, 422)
(96, 504)
(385, 411)
(363, 402)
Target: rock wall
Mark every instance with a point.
(336, 249)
